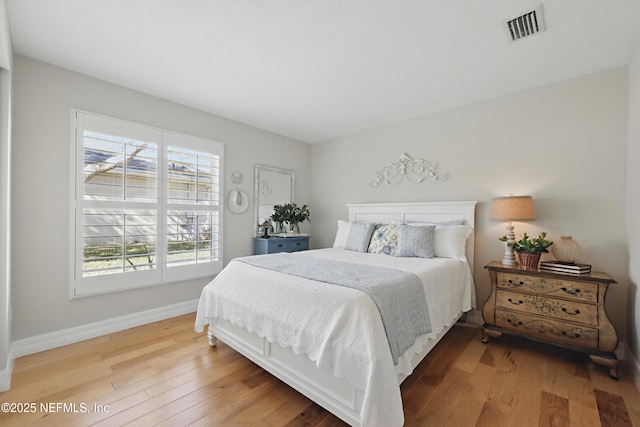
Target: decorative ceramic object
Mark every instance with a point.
(566, 250)
(238, 200)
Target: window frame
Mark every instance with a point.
(162, 274)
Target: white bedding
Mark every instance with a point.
(335, 326)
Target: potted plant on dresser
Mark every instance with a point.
(529, 250)
(289, 213)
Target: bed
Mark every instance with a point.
(329, 342)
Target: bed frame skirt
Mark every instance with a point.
(318, 384)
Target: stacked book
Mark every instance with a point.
(565, 267)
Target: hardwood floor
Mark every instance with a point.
(165, 374)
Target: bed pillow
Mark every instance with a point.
(359, 236)
(415, 241)
(451, 242)
(342, 234)
(450, 222)
(446, 223)
(384, 239)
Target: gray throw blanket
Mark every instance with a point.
(399, 295)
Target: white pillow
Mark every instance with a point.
(451, 241)
(342, 234)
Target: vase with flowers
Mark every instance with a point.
(291, 214)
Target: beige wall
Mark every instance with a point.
(5, 198)
(633, 203)
(564, 144)
(5, 219)
(43, 97)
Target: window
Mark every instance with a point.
(147, 207)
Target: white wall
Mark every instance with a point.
(5, 196)
(564, 144)
(633, 203)
(43, 97)
(6, 47)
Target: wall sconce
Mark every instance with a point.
(511, 208)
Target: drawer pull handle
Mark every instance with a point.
(575, 335)
(519, 323)
(520, 283)
(280, 245)
(515, 303)
(573, 314)
(571, 291)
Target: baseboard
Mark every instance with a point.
(631, 365)
(55, 339)
(474, 318)
(5, 373)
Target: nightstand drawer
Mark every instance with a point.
(544, 306)
(578, 291)
(288, 245)
(274, 245)
(548, 330)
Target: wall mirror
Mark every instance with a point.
(273, 186)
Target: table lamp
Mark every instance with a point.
(511, 208)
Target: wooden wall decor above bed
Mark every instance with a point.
(413, 170)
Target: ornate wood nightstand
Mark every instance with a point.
(562, 309)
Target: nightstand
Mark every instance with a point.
(272, 245)
(562, 309)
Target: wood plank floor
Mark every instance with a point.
(165, 374)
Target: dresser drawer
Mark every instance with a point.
(548, 330)
(288, 245)
(544, 306)
(578, 291)
(274, 245)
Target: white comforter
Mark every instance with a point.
(335, 326)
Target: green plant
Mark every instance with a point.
(291, 213)
(299, 214)
(279, 216)
(530, 245)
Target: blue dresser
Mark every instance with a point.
(274, 245)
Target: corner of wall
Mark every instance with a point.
(6, 59)
(630, 363)
(633, 204)
(5, 373)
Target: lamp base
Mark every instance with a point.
(506, 260)
(509, 257)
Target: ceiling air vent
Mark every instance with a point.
(525, 25)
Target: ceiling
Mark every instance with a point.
(316, 70)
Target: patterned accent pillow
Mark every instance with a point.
(384, 239)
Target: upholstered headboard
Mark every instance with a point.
(437, 212)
